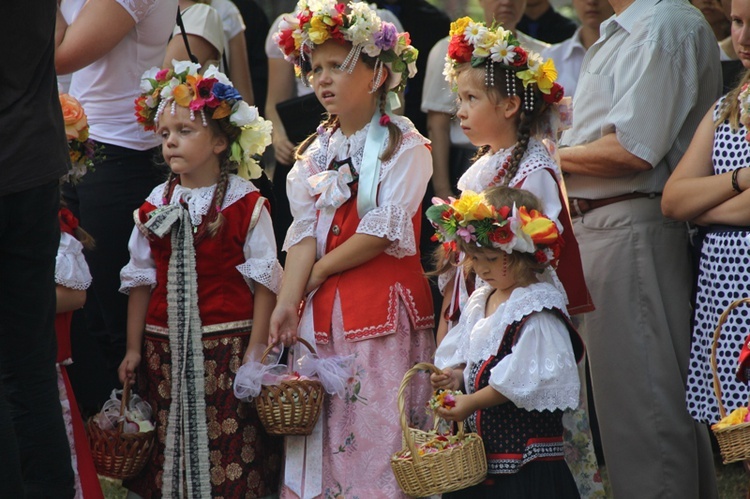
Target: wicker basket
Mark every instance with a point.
(734, 441)
(116, 454)
(444, 471)
(292, 407)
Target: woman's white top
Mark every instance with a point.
(260, 266)
(540, 372)
(71, 269)
(107, 87)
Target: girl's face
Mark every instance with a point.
(484, 120)
(191, 150)
(492, 267)
(345, 95)
(741, 30)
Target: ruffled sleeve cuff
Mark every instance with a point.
(71, 269)
(452, 352)
(141, 269)
(264, 271)
(393, 223)
(540, 373)
(299, 230)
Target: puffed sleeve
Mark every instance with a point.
(302, 206)
(543, 185)
(261, 265)
(540, 373)
(399, 198)
(71, 269)
(452, 350)
(141, 269)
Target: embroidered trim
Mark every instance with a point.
(539, 448)
(213, 328)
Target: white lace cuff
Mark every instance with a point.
(132, 277)
(264, 271)
(299, 230)
(71, 269)
(393, 223)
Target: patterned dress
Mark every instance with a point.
(357, 434)
(723, 277)
(240, 460)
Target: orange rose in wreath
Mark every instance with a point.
(76, 124)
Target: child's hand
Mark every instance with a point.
(127, 368)
(447, 380)
(459, 412)
(284, 322)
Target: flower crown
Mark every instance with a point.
(313, 22)
(471, 219)
(81, 148)
(211, 93)
(479, 45)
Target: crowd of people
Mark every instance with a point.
(552, 213)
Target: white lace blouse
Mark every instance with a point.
(71, 269)
(403, 181)
(260, 266)
(540, 372)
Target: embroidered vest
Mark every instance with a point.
(370, 293)
(514, 436)
(224, 297)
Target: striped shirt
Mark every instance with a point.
(650, 78)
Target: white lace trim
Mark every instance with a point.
(132, 277)
(329, 145)
(138, 9)
(522, 302)
(393, 223)
(549, 399)
(71, 269)
(264, 271)
(199, 199)
(300, 229)
(481, 174)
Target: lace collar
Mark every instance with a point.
(199, 199)
(486, 333)
(333, 144)
(481, 174)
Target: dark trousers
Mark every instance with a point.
(29, 237)
(104, 201)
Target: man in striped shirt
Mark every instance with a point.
(644, 87)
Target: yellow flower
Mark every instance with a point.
(318, 30)
(471, 207)
(182, 95)
(546, 76)
(459, 26)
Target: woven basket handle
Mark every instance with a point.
(408, 438)
(124, 403)
(717, 333)
(270, 347)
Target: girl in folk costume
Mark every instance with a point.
(514, 350)
(202, 279)
(72, 278)
(355, 194)
(507, 101)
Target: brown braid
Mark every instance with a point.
(214, 218)
(524, 133)
(395, 136)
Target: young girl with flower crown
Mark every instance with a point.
(201, 279)
(507, 102)
(355, 193)
(514, 351)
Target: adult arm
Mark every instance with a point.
(239, 68)
(694, 192)
(439, 133)
(604, 157)
(99, 27)
(280, 88)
